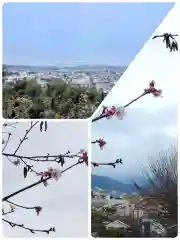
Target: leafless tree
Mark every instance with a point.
(162, 175)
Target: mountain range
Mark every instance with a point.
(110, 184)
(71, 67)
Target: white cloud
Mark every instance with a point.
(65, 203)
(170, 131)
(138, 136)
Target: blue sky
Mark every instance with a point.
(71, 33)
(150, 124)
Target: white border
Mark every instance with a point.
(96, 1)
(67, 120)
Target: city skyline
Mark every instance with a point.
(81, 37)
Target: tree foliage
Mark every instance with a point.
(27, 99)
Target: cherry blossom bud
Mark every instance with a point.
(153, 90)
(52, 229)
(38, 209)
(157, 93)
(84, 157)
(12, 207)
(151, 84)
(101, 143)
(16, 162)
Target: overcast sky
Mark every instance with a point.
(150, 123)
(65, 202)
(78, 33)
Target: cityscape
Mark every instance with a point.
(129, 215)
(102, 78)
(56, 92)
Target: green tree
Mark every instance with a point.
(28, 99)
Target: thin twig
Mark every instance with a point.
(29, 167)
(113, 164)
(25, 136)
(12, 224)
(9, 135)
(45, 158)
(6, 213)
(106, 115)
(20, 206)
(171, 35)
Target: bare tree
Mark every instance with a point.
(162, 175)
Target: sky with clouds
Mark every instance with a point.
(78, 33)
(150, 123)
(65, 202)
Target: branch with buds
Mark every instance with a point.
(80, 157)
(113, 164)
(50, 174)
(60, 159)
(8, 212)
(101, 144)
(14, 205)
(32, 230)
(108, 112)
(169, 40)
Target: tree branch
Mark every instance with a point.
(32, 230)
(113, 164)
(9, 135)
(38, 182)
(20, 206)
(44, 158)
(25, 136)
(106, 115)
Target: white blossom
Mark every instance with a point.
(82, 150)
(56, 174)
(121, 112)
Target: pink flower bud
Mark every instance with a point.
(38, 209)
(101, 143)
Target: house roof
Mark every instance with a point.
(117, 224)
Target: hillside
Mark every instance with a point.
(109, 184)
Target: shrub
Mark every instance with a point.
(28, 99)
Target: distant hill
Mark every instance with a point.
(109, 184)
(70, 67)
(31, 68)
